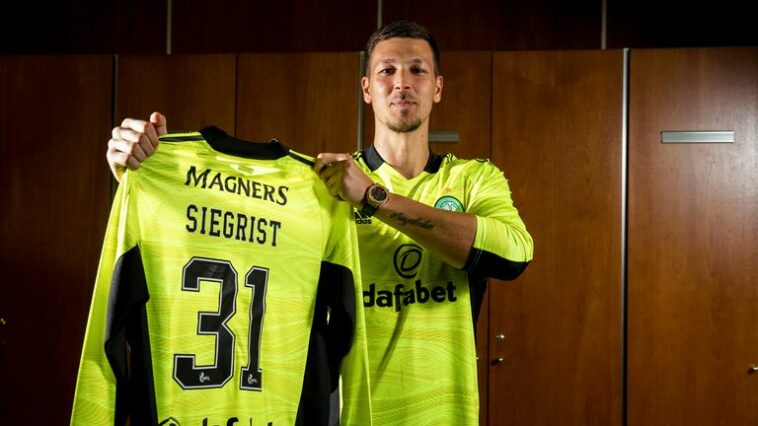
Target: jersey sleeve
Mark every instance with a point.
(99, 390)
(346, 334)
(502, 247)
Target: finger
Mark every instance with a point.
(134, 124)
(146, 145)
(132, 163)
(138, 153)
(339, 157)
(120, 160)
(324, 171)
(334, 169)
(152, 137)
(324, 165)
(160, 123)
(329, 157)
(116, 158)
(322, 162)
(334, 184)
(128, 147)
(120, 145)
(127, 134)
(318, 166)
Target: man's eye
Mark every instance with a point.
(386, 71)
(418, 70)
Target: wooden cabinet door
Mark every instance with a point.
(555, 334)
(464, 110)
(54, 123)
(191, 90)
(693, 239)
(309, 101)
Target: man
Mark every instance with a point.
(431, 229)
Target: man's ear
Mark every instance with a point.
(438, 88)
(365, 84)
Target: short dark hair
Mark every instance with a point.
(402, 29)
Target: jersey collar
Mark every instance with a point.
(222, 142)
(374, 160)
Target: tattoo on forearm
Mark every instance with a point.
(419, 221)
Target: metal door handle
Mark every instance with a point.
(753, 369)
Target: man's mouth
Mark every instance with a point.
(403, 101)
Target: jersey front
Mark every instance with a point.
(421, 312)
(225, 292)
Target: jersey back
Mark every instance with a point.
(225, 291)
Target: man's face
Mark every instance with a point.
(400, 84)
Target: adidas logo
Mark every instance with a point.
(361, 219)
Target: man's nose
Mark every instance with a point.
(402, 80)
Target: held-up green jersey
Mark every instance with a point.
(225, 293)
(420, 312)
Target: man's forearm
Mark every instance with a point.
(448, 235)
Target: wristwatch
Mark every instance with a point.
(376, 196)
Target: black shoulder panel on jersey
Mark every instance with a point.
(339, 295)
(477, 288)
(434, 162)
(374, 160)
(330, 341)
(490, 265)
(127, 334)
(167, 138)
(314, 397)
(301, 159)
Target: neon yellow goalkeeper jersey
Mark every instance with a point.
(225, 293)
(420, 312)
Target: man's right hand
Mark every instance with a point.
(134, 141)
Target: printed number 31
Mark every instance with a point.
(191, 376)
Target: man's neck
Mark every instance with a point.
(406, 152)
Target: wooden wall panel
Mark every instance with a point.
(202, 26)
(557, 136)
(191, 90)
(504, 25)
(272, 26)
(309, 101)
(67, 26)
(54, 121)
(680, 23)
(466, 103)
(693, 239)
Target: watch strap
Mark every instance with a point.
(368, 210)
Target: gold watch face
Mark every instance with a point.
(377, 194)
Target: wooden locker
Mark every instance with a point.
(309, 101)
(192, 91)
(54, 121)
(693, 239)
(556, 332)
